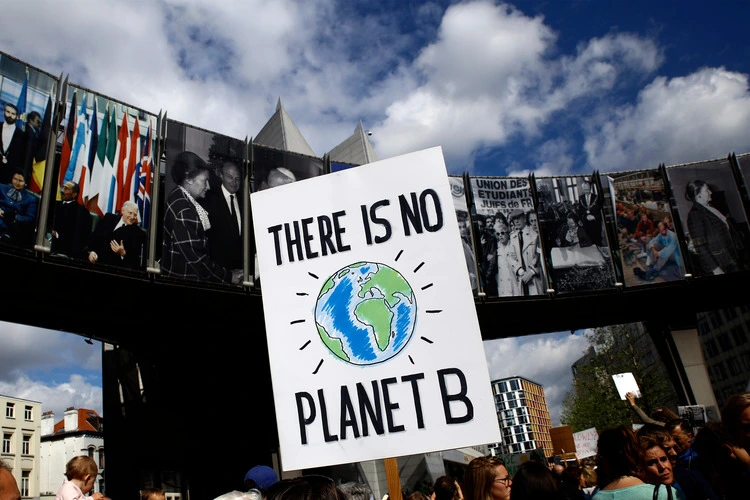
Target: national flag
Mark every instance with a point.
(122, 160)
(21, 105)
(67, 144)
(107, 187)
(97, 171)
(79, 153)
(133, 157)
(144, 182)
(39, 161)
(93, 189)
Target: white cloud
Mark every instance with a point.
(545, 359)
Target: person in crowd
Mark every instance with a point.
(153, 494)
(722, 460)
(12, 145)
(259, 478)
(627, 222)
(570, 483)
(71, 225)
(465, 232)
(416, 495)
(80, 478)
(665, 257)
(669, 222)
(224, 207)
(619, 461)
(713, 235)
(447, 488)
(535, 481)
(357, 491)
(488, 242)
(588, 481)
(736, 417)
(118, 240)
(486, 478)
(186, 225)
(310, 487)
(683, 436)
(277, 177)
(644, 231)
(8, 486)
(590, 213)
(527, 265)
(239, 495)
(18, 207)
(507, 283)
(573, 233)
(657, 468)
(660, 416)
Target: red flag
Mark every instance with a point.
(133, 158)
(67, 144)
(121, 166)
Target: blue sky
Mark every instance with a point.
(549, 87)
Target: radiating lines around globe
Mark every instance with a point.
(305, 345)
(433, 311)
(410, 359)
(318, 367)
(426, 340)
(294, 322)
(313, 275)
(398, 256)
(428, 285)
(419, 267)
(302, 294)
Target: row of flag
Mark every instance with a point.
(111, 165)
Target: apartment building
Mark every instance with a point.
(20, 423)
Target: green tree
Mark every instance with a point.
(594, 401)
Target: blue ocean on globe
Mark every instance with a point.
(365, 313)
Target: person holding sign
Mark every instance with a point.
(186, 222)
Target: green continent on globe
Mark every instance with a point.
(389, 282)
(335, 345)
(374, 313)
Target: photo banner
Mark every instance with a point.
(712, 216)
(26, 98)
(572, 225)
(649, 247)
(507, 231)
(201, 237)
(462, 214)
(372, 330)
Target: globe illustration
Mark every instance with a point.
(365, 313)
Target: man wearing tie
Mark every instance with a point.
(590, 212)
(71, 226)
(224, 206)
(118, 240)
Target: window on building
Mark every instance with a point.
(501, 406)
(7, 437)
(512, 403)
(91, 452)
(27, 413)
(724, 342)
(26, 445)
(720, 372)
(503, 386)
(25, 474)
(508, 413)
(10, 410)
(738, 334)
(515, 447)
(528, 446)
(702, 327)
(514, 385)
(734, 366)
(715, 319)
(730, 313)
(711, 350)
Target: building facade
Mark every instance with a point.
(21, 431)
(523, 415)
(80, 432)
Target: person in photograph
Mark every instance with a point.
(71, 225)
(277, 177)
(713, 236)
(12, 145)
(573, 233)
(507, 283)
(465, 232)
(186, 225)
(590, 212)
(117, 240)
(665, 256)
(527, 263)
(18, 208)
(224, 207)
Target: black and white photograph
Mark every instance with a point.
(571, 223)
(273, 167)
(202, 223)
(648, 245)
(26, 97)
(505, 225)
(458, 191)
(713, 218)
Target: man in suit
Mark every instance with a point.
(13, 142)
(71, 226)
(590, 212)
(118, 240)
(17, 211)
(525, 263)
(224, 206)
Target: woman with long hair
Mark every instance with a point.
(486, 478)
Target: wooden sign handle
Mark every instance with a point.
(393, 479)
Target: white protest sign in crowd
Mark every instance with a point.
(585, 442)
(373, 339)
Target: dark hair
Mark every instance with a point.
(9, 105)
(653, 431)
(187, 165)
(33, 114)
(445, 488)
(732, 411)
(356, 491)
(19, 171)
(573, 215)
(693, 187)
(664, 414)
(681, 423)
(715, 461)
(311, 487)
(618, 454)
(534, 480)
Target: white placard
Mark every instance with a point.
(374, 344)
(586, 442)
(625, 383)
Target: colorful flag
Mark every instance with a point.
(67, 144)
(39, 162)
(21, 105)
(108, 185)
(127, 191)
(93, 189)
(144, 181)
(97, 171)
(79, 154)
(122, 160)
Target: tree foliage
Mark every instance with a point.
(594, 401)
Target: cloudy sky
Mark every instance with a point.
(547, 87)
